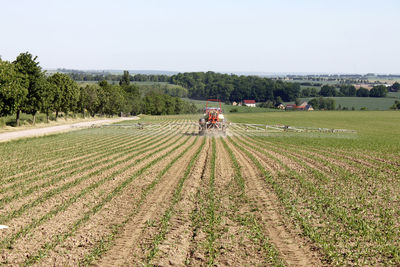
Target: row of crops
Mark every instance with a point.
(159, 194)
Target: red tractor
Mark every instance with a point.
(213, 120)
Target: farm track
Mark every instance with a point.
(161, 196)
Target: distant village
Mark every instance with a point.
(252, 103)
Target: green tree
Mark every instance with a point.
(13, 90)
(66, 93)
(327, 90)
(133, 99)
(29, 68)
(362, 92)
(313, 92)
(348, 90)
(48, 95)
(306, 92)
(378, 91)
(125, 79)
(278, 100)
(396, 105)
(111, 98)
(395, 87)
(89, 99)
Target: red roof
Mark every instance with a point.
(249, 101)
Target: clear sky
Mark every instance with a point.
(335, 36)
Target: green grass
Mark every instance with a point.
(376, 130)
(371, 103)
(393, 94)
(228, 108)
(25, 119)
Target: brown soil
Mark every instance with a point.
(187, 236)
(294, 250)
(62, 221)
(130, 247)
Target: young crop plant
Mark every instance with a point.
(170, 211)
(248, 220)
(36, 222)
(7, 217)
(106, 242)
(212, 218)
(42, 252)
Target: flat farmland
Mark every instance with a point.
(156, 193)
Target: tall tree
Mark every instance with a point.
(125, 79)
(378, 91)
(66, 93)
(49, 92)
(29, 68)
(13, 90)
(395, 87)
(327, 90)
(362, 92)
(133, 99)
(89, 99)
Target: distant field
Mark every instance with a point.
(228, 108)
(375, 129)
(370, 103)
(318, 88)
(116, 82)
(150, 83)
(394, 94)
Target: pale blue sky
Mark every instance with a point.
(337, 36)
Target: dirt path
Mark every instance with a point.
(57, 129)
(294, 250)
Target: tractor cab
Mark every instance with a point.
(213, 119)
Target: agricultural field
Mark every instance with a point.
(370, 103)
(156, 193)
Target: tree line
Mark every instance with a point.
(203, 85)
(346, 90)
(25, 87)
(78, 75)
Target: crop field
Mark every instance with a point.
(156, 193)
(370, 103)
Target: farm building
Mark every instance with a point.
(309, 107)
(290, 107)
(304, 106)
(249, 103)
(280, 106)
